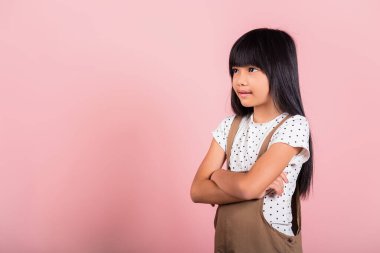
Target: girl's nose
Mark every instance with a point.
(242, 80)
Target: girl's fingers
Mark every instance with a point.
(274, 189)
(280, 182)
(270, 189)
(283, 175)
(277, 186)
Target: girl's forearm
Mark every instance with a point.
(208, 192)
(230, 182)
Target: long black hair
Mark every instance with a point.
(274, 52)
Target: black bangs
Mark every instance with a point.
(245, 52)
(265, 48)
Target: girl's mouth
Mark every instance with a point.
(244, 94)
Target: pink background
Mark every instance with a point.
(107, 107)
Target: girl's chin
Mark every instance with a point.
(246, 103)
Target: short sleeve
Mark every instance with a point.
(294, 132)
(220, 133)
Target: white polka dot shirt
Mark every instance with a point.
(245, 148)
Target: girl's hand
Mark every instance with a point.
(276, 187)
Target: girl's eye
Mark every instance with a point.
(233, 69)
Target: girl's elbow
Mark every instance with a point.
(193, 193)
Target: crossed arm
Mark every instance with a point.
(265, 170)
(218, 186)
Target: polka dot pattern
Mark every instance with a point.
(249, 137)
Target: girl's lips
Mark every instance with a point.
(244, 94)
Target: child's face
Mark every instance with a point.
(253, 80)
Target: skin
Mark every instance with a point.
(215, 185)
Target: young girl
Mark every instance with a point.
(259, 210)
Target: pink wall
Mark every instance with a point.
(106, 111)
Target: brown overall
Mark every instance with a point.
(241, 227)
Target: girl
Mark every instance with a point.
(259, 210)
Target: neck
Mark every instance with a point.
(265, 113)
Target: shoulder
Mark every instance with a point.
(220, 133)
(294, 132)
(296, 125)
(229, 118)
(296, 121)
(227, 121)
(225, 124)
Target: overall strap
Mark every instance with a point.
(231, 136)
(264, 145)
(233, 130)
